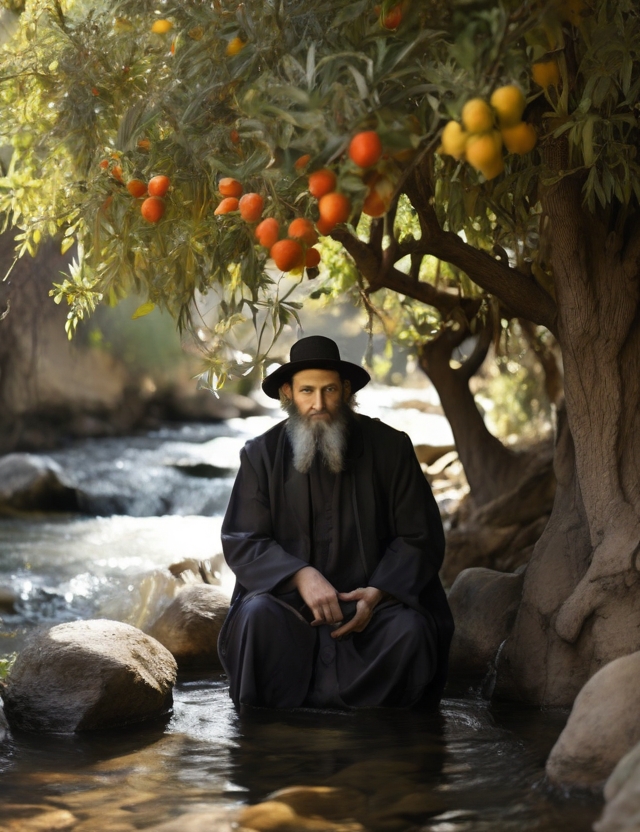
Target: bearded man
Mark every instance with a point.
(335, 540)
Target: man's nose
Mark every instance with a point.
(318, 400)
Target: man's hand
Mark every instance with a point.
(319, 595)
(367, 599)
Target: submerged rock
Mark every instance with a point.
(8, 599)
(622, 793)
(275, 816)
(484, 604)
(602, 727)
(190, 625)
(29, 482)
(4, 725)
(89, 675)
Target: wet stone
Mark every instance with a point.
(89, 675)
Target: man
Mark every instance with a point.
(335, 540)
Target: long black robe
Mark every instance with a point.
(271, 654)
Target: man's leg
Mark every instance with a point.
(391, 662)
(267, 650)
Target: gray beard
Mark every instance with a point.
(309, 437)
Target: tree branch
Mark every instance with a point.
(520, 293)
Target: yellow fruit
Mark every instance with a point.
(454, 140)
(234, 46)
(546, 73)
(520, 139)
(509, 103)
(572, 11)
(477, 116)
(493, 169)
(484, 150)
(161, 27)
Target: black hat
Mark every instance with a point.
(315, 353)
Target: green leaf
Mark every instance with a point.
(143, 309)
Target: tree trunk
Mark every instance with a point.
(491, 468)
(581, 605)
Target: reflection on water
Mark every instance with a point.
(469, 767)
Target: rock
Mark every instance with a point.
(326, 801)
(428, 454)
(219, 819)
(52, 820)
(89, 675)
(484, 604)
(274, 816)
(8, 599)
(602, 727)
(31, 482)
(190, 625)
(622, 793)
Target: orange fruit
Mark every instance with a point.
(324, 227)
(251, 206)
(152, 208)
(365, 148)
(493, 168)
(322, 182)
(520, 139)
(267, 232)
(144, 144)
(136, 187)
(334, 208)
(229, 203)
(477, 116)
(230, 187)
(161, 27)
(287, 255)
(234, 136)
(546, 73)
(454, 140)
(234, 46)
(116, 172)
(379, 195)
(484, 150)
(158, 185)
(509, 103)
(311, 258)
(303, 230)
(393, 18)
(302, 162)
(104, 164)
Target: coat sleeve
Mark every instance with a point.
(414, 555)
(252, 553)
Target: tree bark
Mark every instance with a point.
(581, 604)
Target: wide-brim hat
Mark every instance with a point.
(315, 353)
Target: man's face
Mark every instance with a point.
(317, 394)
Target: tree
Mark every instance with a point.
(265, 92)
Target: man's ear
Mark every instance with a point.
(346, 390)
(286, 391)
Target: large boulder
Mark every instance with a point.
(602, 727)
(484, 604)
(190, 625)
(89, 675)
(33, 482)
(622, 793)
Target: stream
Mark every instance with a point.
(150, 501)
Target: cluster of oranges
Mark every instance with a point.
(152, 208)
(479, 141)
(295, 250)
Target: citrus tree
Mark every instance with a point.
(192, 149)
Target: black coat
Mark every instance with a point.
(265, 532)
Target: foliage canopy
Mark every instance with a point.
(247, 89)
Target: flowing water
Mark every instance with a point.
(149, 502)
